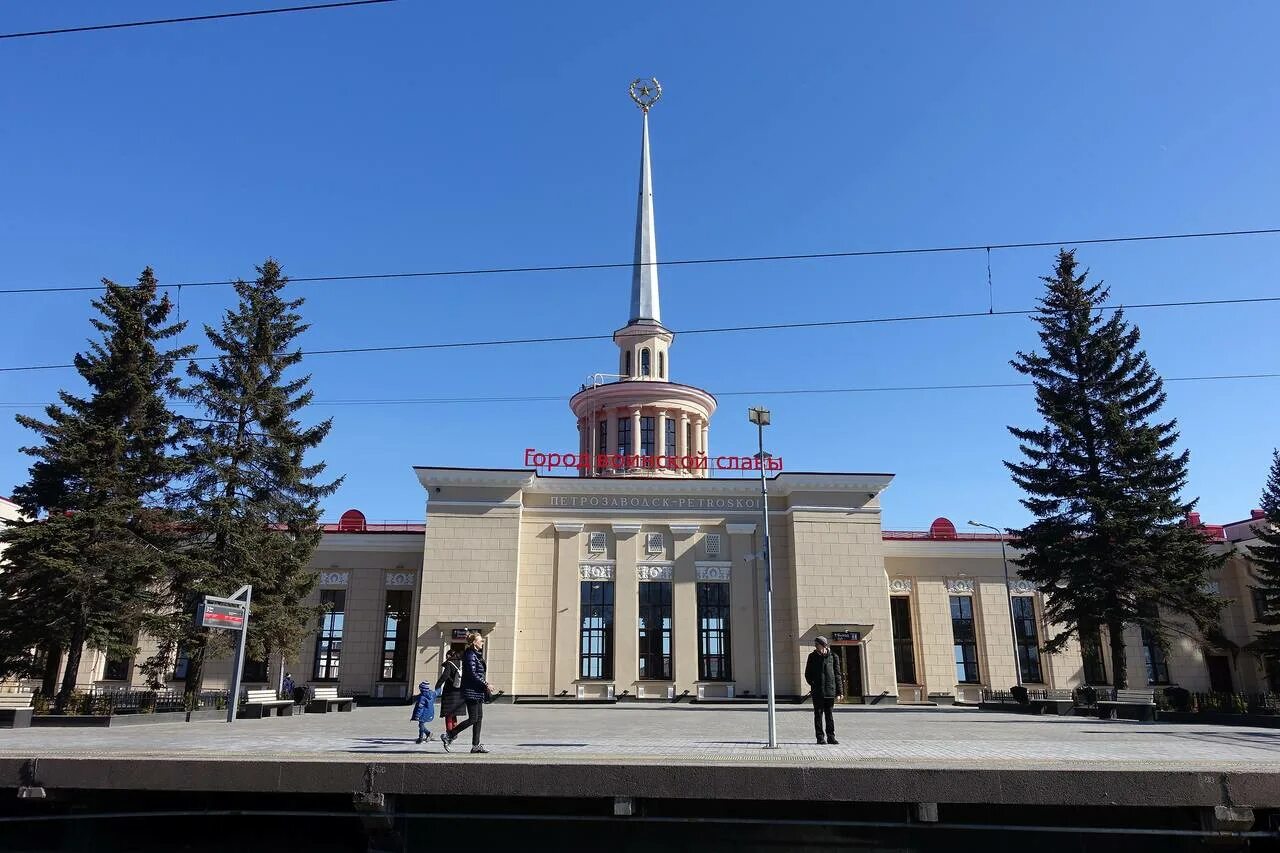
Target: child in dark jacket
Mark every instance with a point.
(424, 710)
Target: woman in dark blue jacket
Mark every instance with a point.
(475, 690)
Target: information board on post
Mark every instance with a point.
(217, 614)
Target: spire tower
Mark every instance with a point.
(643, 425)
(644, 271)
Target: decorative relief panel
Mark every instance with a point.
(653, 543)
(335, 578)
(399, 579)
(899, 584)
(960, 586)
(649, 572)
(596, 571)
(714, 573)
(1021, 587)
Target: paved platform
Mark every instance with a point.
(889, 754)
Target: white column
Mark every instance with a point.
(682, 448)
(635, 431)
(660, 440)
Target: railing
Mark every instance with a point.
(1081, 697)
(1234, 703)
(118, 700)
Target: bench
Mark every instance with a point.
(262, 703)
(1142, 700)
(1059, 702)
(15, 710)
(326, 699)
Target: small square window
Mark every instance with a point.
(713, 544)
(653, 543)
(596, 542)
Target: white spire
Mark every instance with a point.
(644, 273)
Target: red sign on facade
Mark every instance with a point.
(619, 461)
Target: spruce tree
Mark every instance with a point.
(81, 566)
(250, 502)
(1266, 559)
(1103, 481)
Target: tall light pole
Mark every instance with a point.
(1013, 624)
(760, 417)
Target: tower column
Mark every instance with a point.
(660, 440)
(635, 431)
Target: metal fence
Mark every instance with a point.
(119, 700)
(1167, 698)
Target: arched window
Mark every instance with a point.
(662, 365)
(626, 363)
(644, 362)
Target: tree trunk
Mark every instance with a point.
(1119, 663)
(52, 660)
(195, 671)
(74, 650)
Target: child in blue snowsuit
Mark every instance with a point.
(424, 710)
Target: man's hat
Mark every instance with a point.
(821, 641)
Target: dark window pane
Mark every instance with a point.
(1025, 629)
(396, 635)
(329, 640)
(595, 657)
(713, 632)
(965, 639)
(904, 653)
(647, 436)
(624, 436)
(655, 630)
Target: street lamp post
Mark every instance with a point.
(760, 417)
(1013, 624)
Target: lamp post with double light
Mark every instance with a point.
(760, 417)
(1013, 624)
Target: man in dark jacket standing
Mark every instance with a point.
(825, 678)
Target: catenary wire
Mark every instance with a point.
(192, 18)
(813, 324)
(560, 398)
(868, 253)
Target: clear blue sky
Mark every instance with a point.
(424, 135)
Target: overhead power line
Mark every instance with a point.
(774, 392)
(765, 327)
(868, 253)
(212, 17)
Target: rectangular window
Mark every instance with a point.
(904, 650)
(595, 657)
(713, 632)
(670, 426)
(1024, 628)
(1154, 658)
(688, 439)
(1095, 669)
(180, 664)
(647, 437)
(329, 639)
(1259, 603)
(965, 638)
(624, 436)
(602, 442)
(655, 630)
(255, 671)
(396, 635)
(117, 668)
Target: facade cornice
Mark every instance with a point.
(945, 548)
(496, 477)
(383, 542)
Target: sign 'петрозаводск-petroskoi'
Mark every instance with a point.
(605, 461)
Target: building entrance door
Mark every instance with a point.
(1219, 673)
(851, 665)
